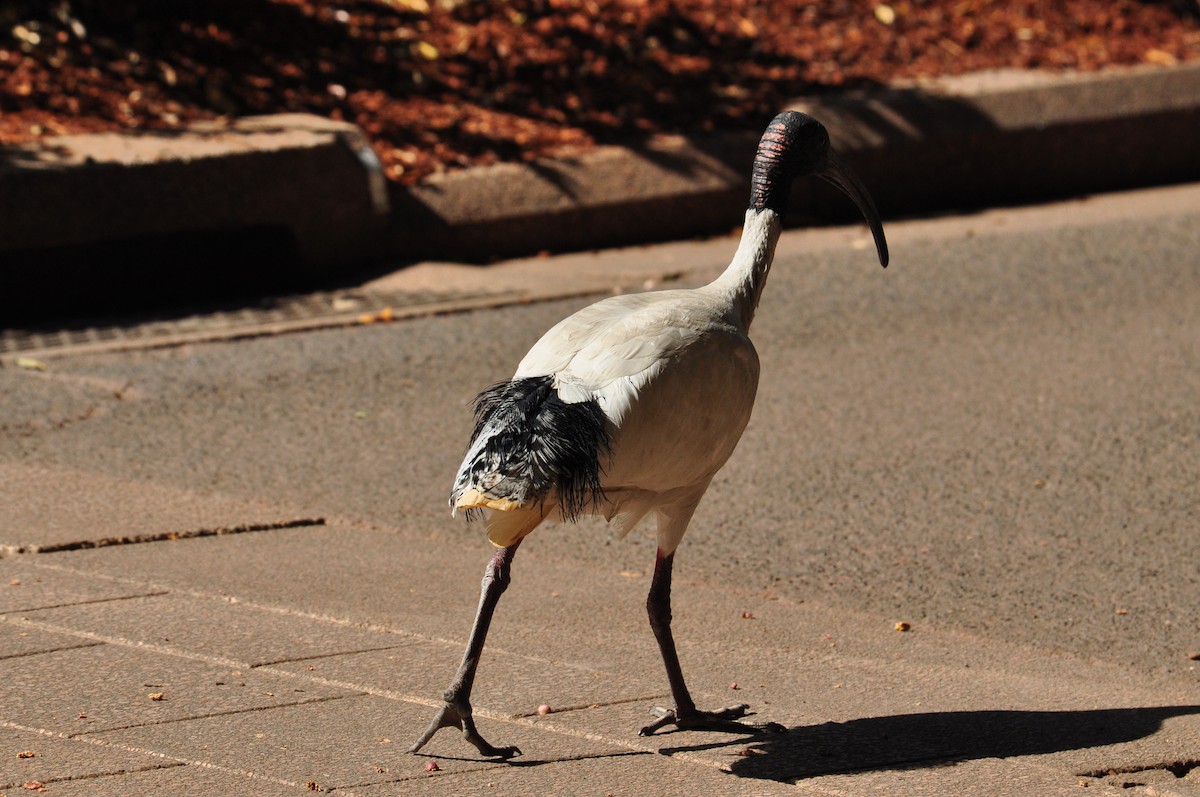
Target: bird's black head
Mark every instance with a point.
(792, 146)
(797, 145)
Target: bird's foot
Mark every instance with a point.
(453, 716)
(722, 720)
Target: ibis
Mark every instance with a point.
(630, 407)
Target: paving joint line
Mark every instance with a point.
(96, 775)
(506, 764)
(129, 643)
(287, 612)
(4, 614)
(8, 656)
(102, 639)
(335, 654)
(162, 536)
(1184, 765)
(228, 713)
(156, 754)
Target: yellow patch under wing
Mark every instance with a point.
(506, 528)
(474, 499)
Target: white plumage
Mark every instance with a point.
(629, 407)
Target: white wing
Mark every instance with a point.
(607, 350)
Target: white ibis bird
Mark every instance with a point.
(631, 406)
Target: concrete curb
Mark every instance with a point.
(153, 215)
(299, 198)
(955, 143)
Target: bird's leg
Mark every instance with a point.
(684, 716)
(456, 711)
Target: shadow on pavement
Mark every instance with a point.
(906, 741)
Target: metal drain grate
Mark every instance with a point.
(275, 316)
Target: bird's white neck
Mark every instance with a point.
(742, 282)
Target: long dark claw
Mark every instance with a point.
(450, 716)
(665, 717)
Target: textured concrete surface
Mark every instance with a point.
(992, 441)
(65, 508)
(112, 686)
(54, 759)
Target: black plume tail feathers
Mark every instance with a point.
(530, 448)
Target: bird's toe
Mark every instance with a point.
(724, 720)
(665, 717)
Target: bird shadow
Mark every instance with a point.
(905, 741)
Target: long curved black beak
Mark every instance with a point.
(835, 171)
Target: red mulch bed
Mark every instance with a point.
(440, 84)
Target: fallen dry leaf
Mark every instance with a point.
(1160, 57)
(415, 6)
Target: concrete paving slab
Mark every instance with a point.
(111, 686)
(294, 743)
(21, 640)
(515, 685)
(803, 665)
(1072, 743)
(991, 776)
(629, 774)
(26, 585)
(207, 626)
(393, 578)
(178, 779)
(30, 756)
(49, 509)
(875, 736)
(1145, 738)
